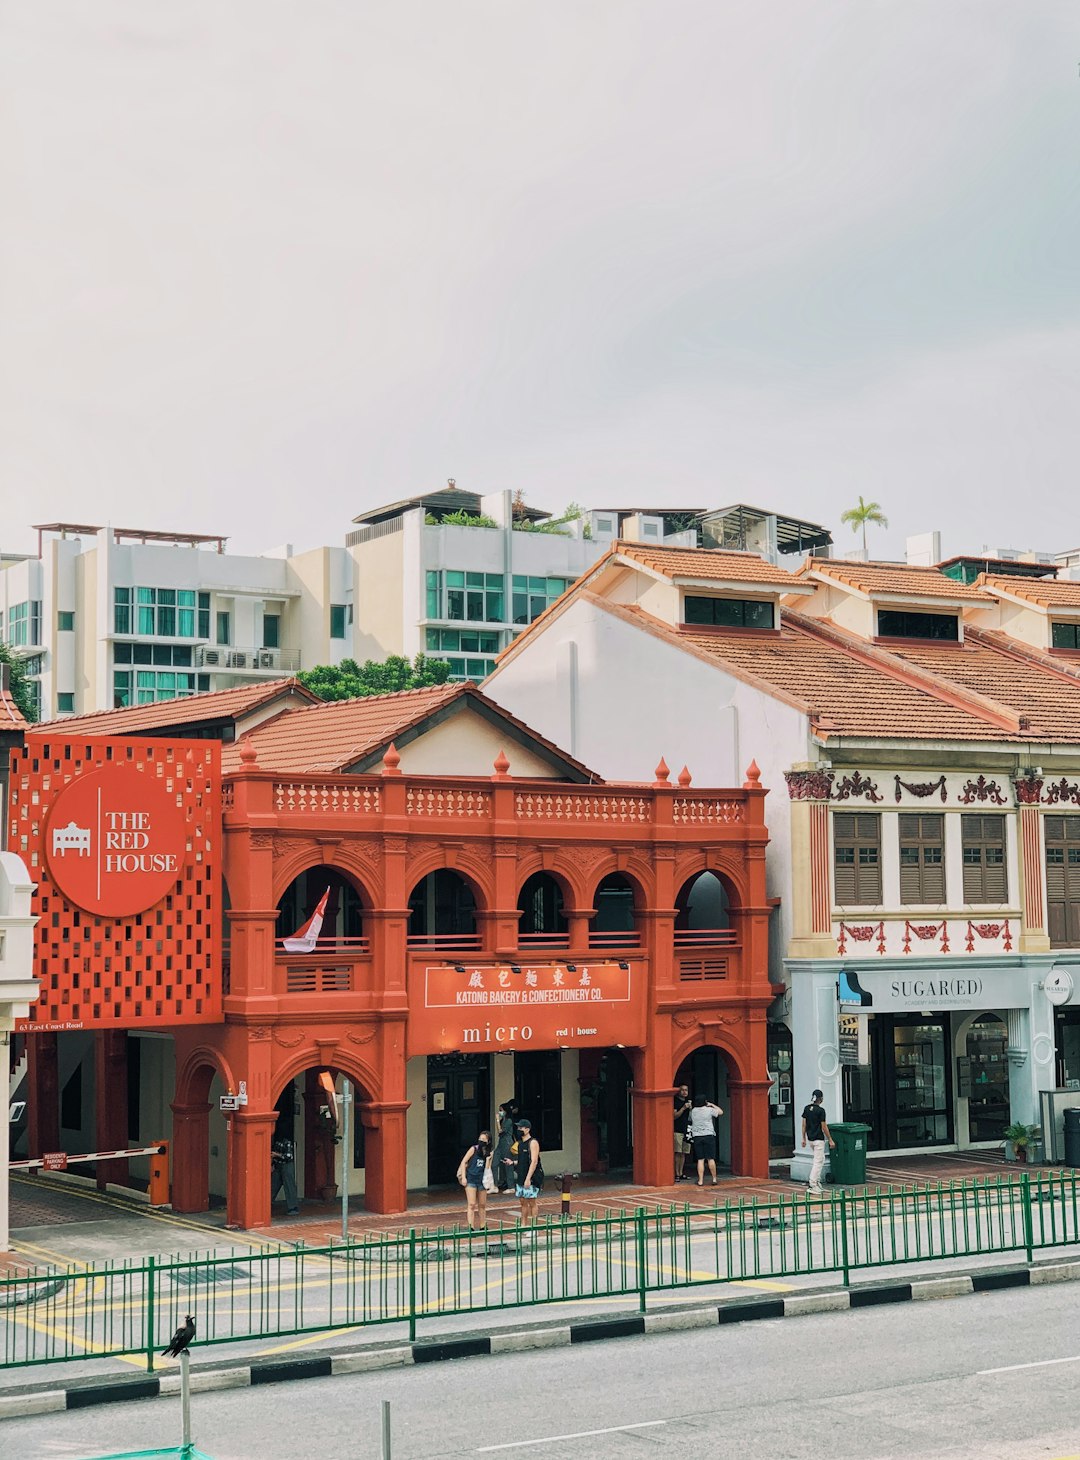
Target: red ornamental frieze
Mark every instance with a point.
(924, 932)
(981, 789)
(809, 785)
(861, 933)
(921, 789)
(989, 931)
(1062, 793)
(851, 787)
(1029, 790)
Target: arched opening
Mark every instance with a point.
(442, 909)
(199, 1156)
(309, 1133)
(987, 1079)
(614, 921)
(342, 919)
(706, 1072)
(543, 919)
(703, 906)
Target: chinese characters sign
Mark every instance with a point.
(543, 1006)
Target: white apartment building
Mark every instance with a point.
(105, 616)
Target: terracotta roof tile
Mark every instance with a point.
(847, 695)
(894, 578)
(11, 717)
(329, 737)
(222, 704)
(715, 563)
(1046, 592)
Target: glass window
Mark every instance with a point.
(899, 624)
(1065, 636)
(24, 623)
(271, 631)
(434, 595)
(337, 620)
(531, 596)
(728, 613)
(985, 874)
(65, 622)
(65, 704)
(121, 610)
(223, 626)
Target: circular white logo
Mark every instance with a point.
(1058, 986)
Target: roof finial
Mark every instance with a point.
(391, 761)
(451, 482)
(753, 777)
(661, 773)
(685, 778)
(502, 767)
(248, 754)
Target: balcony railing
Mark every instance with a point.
(452, 942)
(237, 660)
(705, 938)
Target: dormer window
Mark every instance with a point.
(901, 624)
(1065, 636)
(729, 613)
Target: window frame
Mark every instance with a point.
(858, 832)
(728, 613)
(904, 623)
(338, 621)
(922, 878)
(984, 876)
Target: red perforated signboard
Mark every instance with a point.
(123, 838)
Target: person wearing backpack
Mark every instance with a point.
(530, 1173)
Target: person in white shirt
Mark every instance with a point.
(703, 1133)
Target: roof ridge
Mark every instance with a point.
(1001, 643)
(268, 687)
(959, 696)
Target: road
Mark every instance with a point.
(991, 1377)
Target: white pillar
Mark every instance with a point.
(18, 990)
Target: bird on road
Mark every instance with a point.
(181, 1338)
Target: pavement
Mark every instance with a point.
(992, 1377)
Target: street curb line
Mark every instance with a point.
(82, 1393)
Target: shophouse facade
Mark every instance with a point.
(513, 928)
(928, 733)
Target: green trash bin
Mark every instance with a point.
(847, 1164)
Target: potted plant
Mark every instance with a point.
(1020, 1137)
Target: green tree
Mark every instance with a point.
(865, 512)
(351, 681)
(18, 683)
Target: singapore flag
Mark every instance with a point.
(305, 937)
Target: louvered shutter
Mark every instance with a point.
(922, 858)
(985, 871)
(1063, 880)
(857, 859)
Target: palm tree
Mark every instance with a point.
(862, 514)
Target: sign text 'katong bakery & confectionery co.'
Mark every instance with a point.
(538, 1006)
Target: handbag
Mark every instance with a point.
(489, 1179)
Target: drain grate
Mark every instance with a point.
(189, 1277)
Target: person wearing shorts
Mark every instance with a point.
(682, 1140)
(474, 1164)
(529, 1172)
(703, 1133)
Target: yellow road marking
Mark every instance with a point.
(284, 1348)
(58, 1332)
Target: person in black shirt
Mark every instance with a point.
(283, 1172)
(682, 1115)
(815, 1130)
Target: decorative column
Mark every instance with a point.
(653, 1153)
(1033, 934)
(384, 1155)
(809, 790)
(250, 1133)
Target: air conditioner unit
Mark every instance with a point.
(211, 656)
(266, 659)
(237, 661)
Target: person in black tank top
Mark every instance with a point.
(475, 1163)
(530, 1173)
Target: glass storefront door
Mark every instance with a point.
(987, 1079)
(1067, 1030)
(921, 1063)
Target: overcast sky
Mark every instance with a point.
(267, 263)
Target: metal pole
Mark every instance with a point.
(346, 1157)
(185, 1399)
(386, 1429)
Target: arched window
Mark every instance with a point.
(540, 903)
(703, 905)
(442, 906)
(344, 915)
(614, 922)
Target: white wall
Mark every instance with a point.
(619, 698)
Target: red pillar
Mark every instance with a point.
(110, 1103)
(43, 1103)
(384, 1155)
(654, 1159)
(249, 1168)
(749, 1100)
(190, 1157)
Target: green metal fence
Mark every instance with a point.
(132, 1308)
